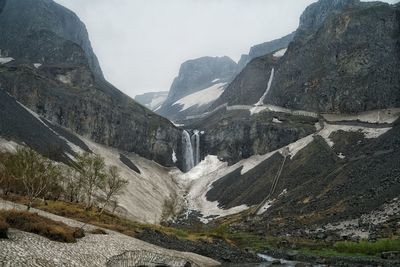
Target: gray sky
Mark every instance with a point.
(141, 43)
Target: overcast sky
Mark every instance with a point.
(141, 43)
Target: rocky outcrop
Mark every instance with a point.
(194, 76)
(249, 85)
(345, 62)
(56, 75)
(265, 48)
(237, 135)
(152, 100)
(26, 27)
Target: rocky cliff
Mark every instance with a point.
(56, 75)
(344, 59)
(206, 76)
(265, 48)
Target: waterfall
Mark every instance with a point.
(196, 147)
(187, 151)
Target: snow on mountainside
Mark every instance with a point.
(152, 100)
(201, 98)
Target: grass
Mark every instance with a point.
(368, 248)
(34, 223)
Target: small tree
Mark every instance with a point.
(34, 171)
(91, 169)
(113, 185)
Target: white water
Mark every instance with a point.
(261, 101)
(196, 147)
(187, 151)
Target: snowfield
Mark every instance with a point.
(201, 98)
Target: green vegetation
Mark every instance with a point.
(368, 248)
(34, 223)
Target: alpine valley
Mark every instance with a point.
(290, 157)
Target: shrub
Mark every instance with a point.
(34, 223)
(3, 228)
(98, 231)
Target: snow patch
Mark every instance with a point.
(37, 65)
(65, 79)
(367, 131)
(373, 116)
(215, 80)
(201, 98)
(280, 53)
(4, 60)
(174, 159)
(275, 120)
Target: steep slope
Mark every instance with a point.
(199, 83)
(344, 58)
(56, 77)
(152, 100)
(265, 48)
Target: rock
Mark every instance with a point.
(276, 262)
(292, 255)
(391, 255)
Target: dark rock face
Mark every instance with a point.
(68, 88)
(236, 135)
(27, 25)
(195, 75)
(345, 58)
(73, 98)
(265, 48)
(350, 64)
(249, 85)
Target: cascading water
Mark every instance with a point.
(187, 151)
(196, 147)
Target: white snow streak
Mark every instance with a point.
(271, 77)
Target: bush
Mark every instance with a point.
(3, 228)
(368, 248)
(98, 231)
(34, 223)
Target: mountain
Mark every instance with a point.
(50, 68)
(308, 137)
(340, 60)
(152, 100)
(265, 48)
(199, 83)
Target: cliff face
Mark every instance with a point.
(56, 74)
(22, 21)
(349, 64)
(344, 58)
(195, 76)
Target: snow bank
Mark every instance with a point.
(280, 53)
(368, 132)
(201, 98)
(4, 60)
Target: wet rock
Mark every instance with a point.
(391, 255)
